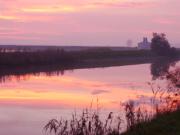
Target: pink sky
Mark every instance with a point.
(87, 22)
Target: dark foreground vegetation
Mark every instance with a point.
(164, 119)
(164, 124)
(138, 123)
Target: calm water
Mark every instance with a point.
(27, 103)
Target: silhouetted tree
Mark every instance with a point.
(161, 46)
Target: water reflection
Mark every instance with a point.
(160, 67)
(25, 73)
(29, 99)
(162, 101)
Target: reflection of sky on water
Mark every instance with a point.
(28, 104)
(115, 83)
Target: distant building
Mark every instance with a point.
(144, 45)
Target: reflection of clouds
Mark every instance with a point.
(69, 83)
(145, 100)
(135, 86)
(140, 99)
(97, 92)
(132, 85)
(115, 102)
(77, 89)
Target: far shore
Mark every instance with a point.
(56, 61)
(88, 63)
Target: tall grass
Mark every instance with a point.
(89, 123)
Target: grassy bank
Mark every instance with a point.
(20, 63)
(89, 123)
(50, 61)
(18, 71)
(64, 59)
(60, 57)
(165, 124)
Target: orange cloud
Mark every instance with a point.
(94, 5)
(22, 10)
(50, 9)
(7, 17)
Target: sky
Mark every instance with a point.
(87, 22)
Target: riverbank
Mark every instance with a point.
(21, 63)
(93, 63)
(165, 124)
(64, 59)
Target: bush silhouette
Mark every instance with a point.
(160, 45)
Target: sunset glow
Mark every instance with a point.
(87, 22)
(89, 67)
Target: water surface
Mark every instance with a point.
(29, 101)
